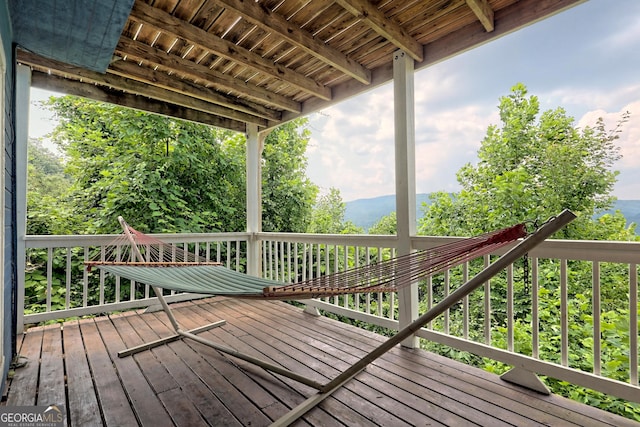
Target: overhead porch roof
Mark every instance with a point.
(229, 63)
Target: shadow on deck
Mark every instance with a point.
(187, 384)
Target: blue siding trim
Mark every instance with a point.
(9, 239)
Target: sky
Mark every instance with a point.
(585, 60)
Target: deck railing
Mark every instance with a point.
(568, 311)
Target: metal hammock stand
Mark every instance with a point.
(163, 266)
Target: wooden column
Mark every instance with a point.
(255, 144)
(23, 89)
(404, 111)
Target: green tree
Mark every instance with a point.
(167, 175)
(287, 194)
(532, 167)
(328, 215)
(388, 224)
(47, 185)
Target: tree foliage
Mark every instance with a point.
(328, 215)
(167, 175)
(47, 185)
(532, 167)
(288, 194)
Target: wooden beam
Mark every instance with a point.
(371, 15)
(173, 83)
(170, 25)
(278, 25)
(483, 11)
(136, 88)
(99, 93)
(153, 55)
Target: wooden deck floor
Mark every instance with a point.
(187, 384)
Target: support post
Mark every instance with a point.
(255, 144)
(404, 112)
(23, 88)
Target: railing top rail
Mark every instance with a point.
(64, 241)
(587, 250)
(371, 240)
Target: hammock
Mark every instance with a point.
(169, 267)
(162, 265)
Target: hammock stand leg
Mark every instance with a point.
(192, 334)
(171, 338)
(521, 249)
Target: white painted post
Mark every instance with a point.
(23, 88)
(255, 144)
(404, 111)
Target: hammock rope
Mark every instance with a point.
(170, 267)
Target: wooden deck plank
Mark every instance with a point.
(520, 400)
(80, 388)
(203, 399)
(337, 414)
(149, 412)
(133, 331)
(393, 398)
(364, 409)
(51, 388)
(181, 410)
(264, 401)
(185, 383)
(27, 376)
(112, 398)
(411, 381)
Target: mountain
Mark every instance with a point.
(366, 212)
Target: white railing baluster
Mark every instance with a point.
(510, 308)
(118, 258)
(447, 289)
(535, 315)
(67, 294)
(85, 279)
(487, 307)
(102, 276)
(597, 311)
(633, 324)
(564, 313)
(465, 303)
(429, 298)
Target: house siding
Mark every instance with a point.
(9, 232)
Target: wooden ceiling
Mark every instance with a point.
(229, 63)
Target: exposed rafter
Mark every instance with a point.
(143, 52)
(184, 87)
(100, 93)
(170, 25)
(483, 11)
(135, 87)
(388, 29)
(272, 22)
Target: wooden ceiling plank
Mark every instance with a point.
(483, 11)
(167, 23)
(507, 20)
(276, 23)
(132, 86)
(159, 57)
(130, 69)
(388, 29)
(99, 93)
